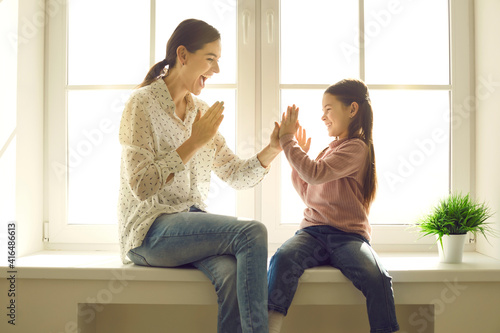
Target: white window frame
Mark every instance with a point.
(386, 237)
(257, 103)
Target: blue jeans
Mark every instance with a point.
(232, 253)
(349, 252)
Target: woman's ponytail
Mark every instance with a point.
(154, 72)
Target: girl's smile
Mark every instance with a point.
(336, 116)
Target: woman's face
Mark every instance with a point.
(201, 65)
(336, 116)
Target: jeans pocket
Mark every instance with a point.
(137, 258)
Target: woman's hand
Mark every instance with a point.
(204, 128)
(274, 143)
(302, 140)
(269, 153)
(289, 121)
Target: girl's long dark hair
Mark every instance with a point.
(191, 33)
(348, 91)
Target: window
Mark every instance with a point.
(95, 68)
(275, 53)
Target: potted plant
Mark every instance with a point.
(450, 220)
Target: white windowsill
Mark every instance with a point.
(97, 265)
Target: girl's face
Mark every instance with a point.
(336, 116)
(201, 65)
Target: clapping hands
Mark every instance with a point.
(303, 141)
(205, 127)
(290, 125)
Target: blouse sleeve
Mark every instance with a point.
(146, 171)
(238, 173)
(344, 162)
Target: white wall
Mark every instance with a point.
(49, 305)
(29, 142)
(8, 82)
(487, 26)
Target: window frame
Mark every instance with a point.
(257, 103)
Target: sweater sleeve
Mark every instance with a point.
(145, 171)
(345, 161)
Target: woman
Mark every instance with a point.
(170, 145)
(338, 188)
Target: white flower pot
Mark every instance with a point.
(453, 248)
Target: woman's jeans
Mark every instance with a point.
(231, 252)
(349, 252)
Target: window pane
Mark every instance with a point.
(411, 149)
(412, 138)
(222, 198)
(407, 42)
(319, 41)
(94, 155)
(220, 14)
(108, 41)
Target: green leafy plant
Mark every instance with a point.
(457, 214)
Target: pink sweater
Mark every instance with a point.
(331, 186)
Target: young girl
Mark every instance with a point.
(338, 188)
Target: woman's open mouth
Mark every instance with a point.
(203, 78)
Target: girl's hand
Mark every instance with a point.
(289, 122)
(204, 128)
(303, 141)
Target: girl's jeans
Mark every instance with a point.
(231, 252)
(351, 254)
